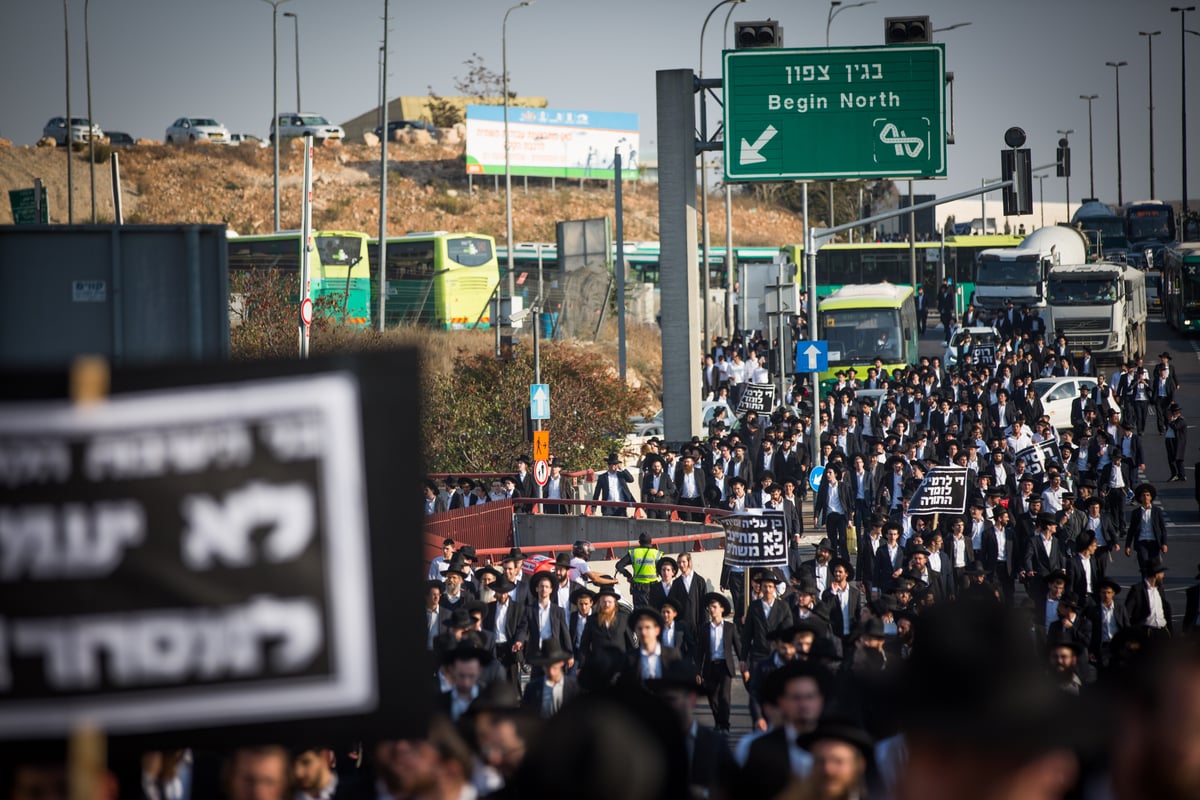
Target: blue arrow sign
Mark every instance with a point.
(539, 401)
(812, 356)
(814, 478)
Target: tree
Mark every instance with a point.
(481, 83)
(443, 113)
(476, 412)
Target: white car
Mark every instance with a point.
(190, 130)
(1057, 394)
(81, 130)
(244, 138)
(979, 335)
(292, 124)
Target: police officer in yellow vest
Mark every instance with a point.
(643, 560)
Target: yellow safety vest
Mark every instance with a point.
(645, 564)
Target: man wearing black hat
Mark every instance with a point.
(613, 486)
(718, 647)
(1071, 624)
(544, 620)
(546, 696)
(453, 596)
(606, 628)
(1147, 530)
(1083, 576)
(1109, 618)
(764, 615)
(524, 478)
(710, 764)
(1147, 602)
(833, 506)
(503, 620)
(1166, 383)
(668, 586)
(1175, 439)
(652, 658)
(657, 487)
(464, 665)
(557, 487)
(842, 755)
(843, 599)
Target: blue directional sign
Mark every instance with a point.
(539, 401)
(814, 478)
(812, 356)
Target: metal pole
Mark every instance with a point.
(1150, 64)
(1091, 145)
(275, 94)
(912, 238)
(87, 66)
(1183, 11)
(383, 152)
(296, 21)
(70, 179)
(619, 267)
(1042, 197)
(730, 261)
(306, 248)
(1116, 65)
(983, 209)
(118, 213)
(1066, 142)
(810, 285)
(508, 216)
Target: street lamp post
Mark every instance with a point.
(1150, 64)
(1116, 65)
(296, 20)
(508, 217)
(730, 261)
(1042, 196)
(275, 94)
(1091, 145)
(87, 68)
(705, 278)
(835, 8)
(67, 58)
(1183, 12)
(1065, 142)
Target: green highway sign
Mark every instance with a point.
(25, 208)
(843, 112)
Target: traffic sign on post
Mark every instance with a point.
(812, 356)
(847, 112)
(541, 472)
(539, 401)
(814, 477)
(541, 445)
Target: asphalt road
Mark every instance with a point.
(1177, 500)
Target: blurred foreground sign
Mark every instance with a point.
(190, 557)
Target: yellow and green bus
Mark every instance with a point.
(338, 267)
(956, 258)
(438, 280)
(861, 322)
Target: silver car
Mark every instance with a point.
(291, 125)
(80, 131)
(190, 130)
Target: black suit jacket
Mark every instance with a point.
(1137, 602)
(767, 770)
(633, 660)
(855, 600)
(1158, 526)
(1120, 616)
(712, 765)
(1037, 560)
(601, 492)
(685, 639)
(536, 691)
(677, 479)
(732, 643)
(527, 631)
(597, 637)
(657, 596)
(754, 640)
(665, 485)
(1191, 607)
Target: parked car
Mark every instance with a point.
(190, 130)
(403, 124)
(292, 124)
(979, 335)
(1057, 394)
(120, 139)
(81, 130)
(242, 138)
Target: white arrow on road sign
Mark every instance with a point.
(812, 352)
(750, 154)
(539, 401)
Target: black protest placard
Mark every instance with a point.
(984, 355)
(758, 397)
(755, 538)
(943, 491)
(1040, 456)
(190, 560)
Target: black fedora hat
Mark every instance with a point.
(975, 569)
(563, 560)
(1165, 354)
(674, 604)
(840, 730)
(1154, 566)
(1111, 584)
(582, 591)
(644, 611)
(608, 590)
(544, 575)
(502, 585)
(551, 654)
(726, 606)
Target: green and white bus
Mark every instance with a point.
(1180, 290)
(866, 321)
(338, 267)
(438, 280)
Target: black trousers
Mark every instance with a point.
(1146, 552)
(718, 687)
(1174, 457)
(1160, 412)
(698, 502)
(835, 529)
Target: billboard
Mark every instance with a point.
(551, 143)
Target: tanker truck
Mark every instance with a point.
(1101, 306)
(1019, 273)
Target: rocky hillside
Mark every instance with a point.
(427, 190)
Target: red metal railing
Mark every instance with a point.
(483, 525)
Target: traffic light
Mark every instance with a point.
(1016, 165)
(907, 30)
(763, 33)
(1062, 160)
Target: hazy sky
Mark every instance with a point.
(1021, 62)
